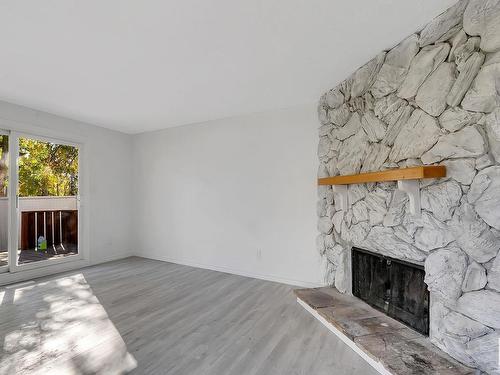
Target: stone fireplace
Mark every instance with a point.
(434, 99)
(394, 287)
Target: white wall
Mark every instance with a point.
(236, 194)
(108, 177)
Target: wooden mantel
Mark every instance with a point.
(413, 173)
(407, 179)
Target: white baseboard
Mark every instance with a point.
(7, 278)
(21, 276)
(277, 279)
(110, 258)
(372, 362)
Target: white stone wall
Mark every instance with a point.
(433, 99)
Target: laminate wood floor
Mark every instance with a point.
(144, 316)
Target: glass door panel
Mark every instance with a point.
(4, 200)
(47, 200)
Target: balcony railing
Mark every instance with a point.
(59, 228)
(54, 218)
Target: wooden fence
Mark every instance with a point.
(37, 204)
(58, 227)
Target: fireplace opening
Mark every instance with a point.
(392, 286)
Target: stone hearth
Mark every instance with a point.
(391, 347)
(434, 99)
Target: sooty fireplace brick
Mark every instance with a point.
(392, 286)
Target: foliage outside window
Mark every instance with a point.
(47, 169)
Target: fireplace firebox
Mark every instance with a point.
(392, 286)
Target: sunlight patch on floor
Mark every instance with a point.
(58, 326)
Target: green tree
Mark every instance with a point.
(47, 169)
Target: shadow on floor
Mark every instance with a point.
(58, 325)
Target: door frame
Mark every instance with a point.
(14, 224)
(5, 268)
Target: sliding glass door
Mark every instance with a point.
(39, 201)
(47, 202)
(4, 200)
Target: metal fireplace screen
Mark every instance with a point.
(392, 286)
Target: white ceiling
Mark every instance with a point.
(139, 65)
